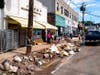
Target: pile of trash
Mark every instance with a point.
(27, 65)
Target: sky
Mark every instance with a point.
(92, 9)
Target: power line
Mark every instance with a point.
(85, 12)
(74, 4)
(92, 14)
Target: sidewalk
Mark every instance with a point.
(22, 50)
(27, 64)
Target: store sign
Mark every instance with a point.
(60, 21)
(36, 10)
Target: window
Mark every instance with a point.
(37, 34)
(57, 6)
(61, 9)
(37, 9)
(70, 15)
(66, 12)
(74, 18)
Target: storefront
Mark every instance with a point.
(39, 28)
(16, 20)
(66, 27)
(60, 23)
(21, 25)
(48, 28)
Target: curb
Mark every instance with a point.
(65, 60)
(51, 63)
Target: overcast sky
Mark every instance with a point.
(92, 7)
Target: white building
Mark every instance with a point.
(16, 21)
(19, 8)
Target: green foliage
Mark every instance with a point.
(88, 23)
(1, 4)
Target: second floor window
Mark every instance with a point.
(74, 18)
(57, 6)
(70, 15)
(61, 9)
(66, 12)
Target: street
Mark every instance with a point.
(49, 37)
(86, 62)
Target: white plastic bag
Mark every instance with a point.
(54, 49)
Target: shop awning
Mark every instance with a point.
(48, 26)
(24, 22)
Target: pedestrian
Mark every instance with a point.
(48, 37)
(71, 34)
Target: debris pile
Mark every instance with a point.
(27, 65)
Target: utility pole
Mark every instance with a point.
(30, 28)
(82, 8)
(83, 12)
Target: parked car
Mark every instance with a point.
(92, 36)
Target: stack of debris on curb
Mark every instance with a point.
(27, 65)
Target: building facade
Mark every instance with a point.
(19, 8)
(16, 21)
(61, 15)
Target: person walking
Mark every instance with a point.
(71, 34)
(48, 37)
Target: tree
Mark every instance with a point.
(88, 23)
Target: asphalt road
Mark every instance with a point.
(86, 62)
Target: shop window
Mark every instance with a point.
(37, 34)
